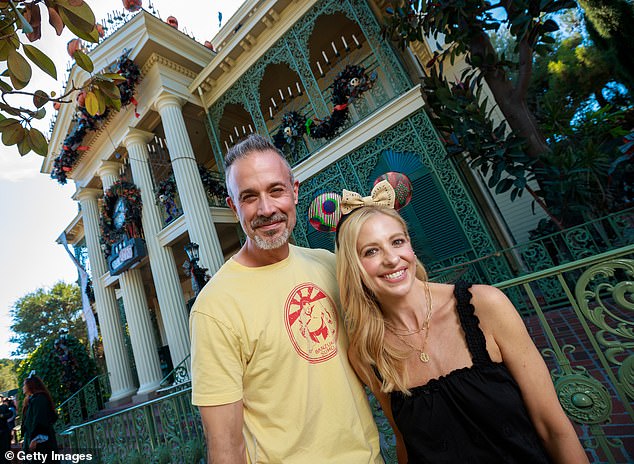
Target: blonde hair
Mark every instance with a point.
(362, 312)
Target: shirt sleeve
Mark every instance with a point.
(217, 361)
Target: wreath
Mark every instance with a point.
(292, 129)
(85, 122)
(131, 225)
(349, 84)
(166, 191)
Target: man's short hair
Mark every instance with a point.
(254, 143)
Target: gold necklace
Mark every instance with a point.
(422, 356)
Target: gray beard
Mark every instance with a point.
(273, 243)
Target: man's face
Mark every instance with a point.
(264, 198)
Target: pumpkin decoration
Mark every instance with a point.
(100, 30)
(57, 105)
(132, 5)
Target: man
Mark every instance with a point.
(269, 366)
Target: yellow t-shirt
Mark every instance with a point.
(272, 336)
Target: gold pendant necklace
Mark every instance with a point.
(422, 354)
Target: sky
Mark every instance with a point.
(34, 209)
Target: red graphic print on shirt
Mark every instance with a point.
(311, 323)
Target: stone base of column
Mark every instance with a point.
(147, 389)
(120, 398)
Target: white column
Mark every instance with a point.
(109, 173)
(118, 365)
(137, 313)
(164, 271)
(190, 188)
(148, 366)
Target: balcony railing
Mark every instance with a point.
(585, 332)
(588, 239)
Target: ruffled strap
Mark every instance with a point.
(470, 324)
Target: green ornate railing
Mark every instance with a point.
(588, 239)
(165, 430)
(579, 314)
(178, 379)
(583, 326)
(84, 403)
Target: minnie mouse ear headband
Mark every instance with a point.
(329, 210)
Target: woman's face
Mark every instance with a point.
(25, 389)
(386, 255)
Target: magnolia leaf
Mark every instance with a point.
(110, 90)
(75, 20)
(83, 61)
(40, 98)
(19, 68)
(55, 20)
(7, 122)
(34, 17)
(113, 76)
(5, 48)
(13, 134)
(40, 59)
(92, 103)
(75, 2)
(40, 113)
(17, 83)
(37, 141)
(4, 87)
(24, 146)
(101, 101)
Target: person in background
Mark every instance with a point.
(11, 420)
(5, 432)
(38, 417)
(270, 372)
(452, 366)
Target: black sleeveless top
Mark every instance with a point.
(471, 415)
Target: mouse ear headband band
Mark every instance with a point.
(327, 210)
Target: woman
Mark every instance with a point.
(453, 367)
(38, 417)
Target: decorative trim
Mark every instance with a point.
(160, 59)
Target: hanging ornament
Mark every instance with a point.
(324, 212)
(172, 21)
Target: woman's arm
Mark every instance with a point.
(384, 401)
(499, 317)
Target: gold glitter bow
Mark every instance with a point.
(382, 195)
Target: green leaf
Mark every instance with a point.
(113, 76)
(84, 61)
(80, 22)
(13, 134)
(40, 59)
(40, 113)
(40, 98)
(24, 146)
(5, 87)
(19, 68)
(37, 141)
(92, 103)
(6, 122)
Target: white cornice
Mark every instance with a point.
(382, 119)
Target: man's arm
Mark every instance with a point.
(223, 433)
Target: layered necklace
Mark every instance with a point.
(401, 334)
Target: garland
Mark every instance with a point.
(73, 143)
(132, 224)
(349, 84)
(166, 191)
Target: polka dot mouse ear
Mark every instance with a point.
(325, 211)
(401, 185)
